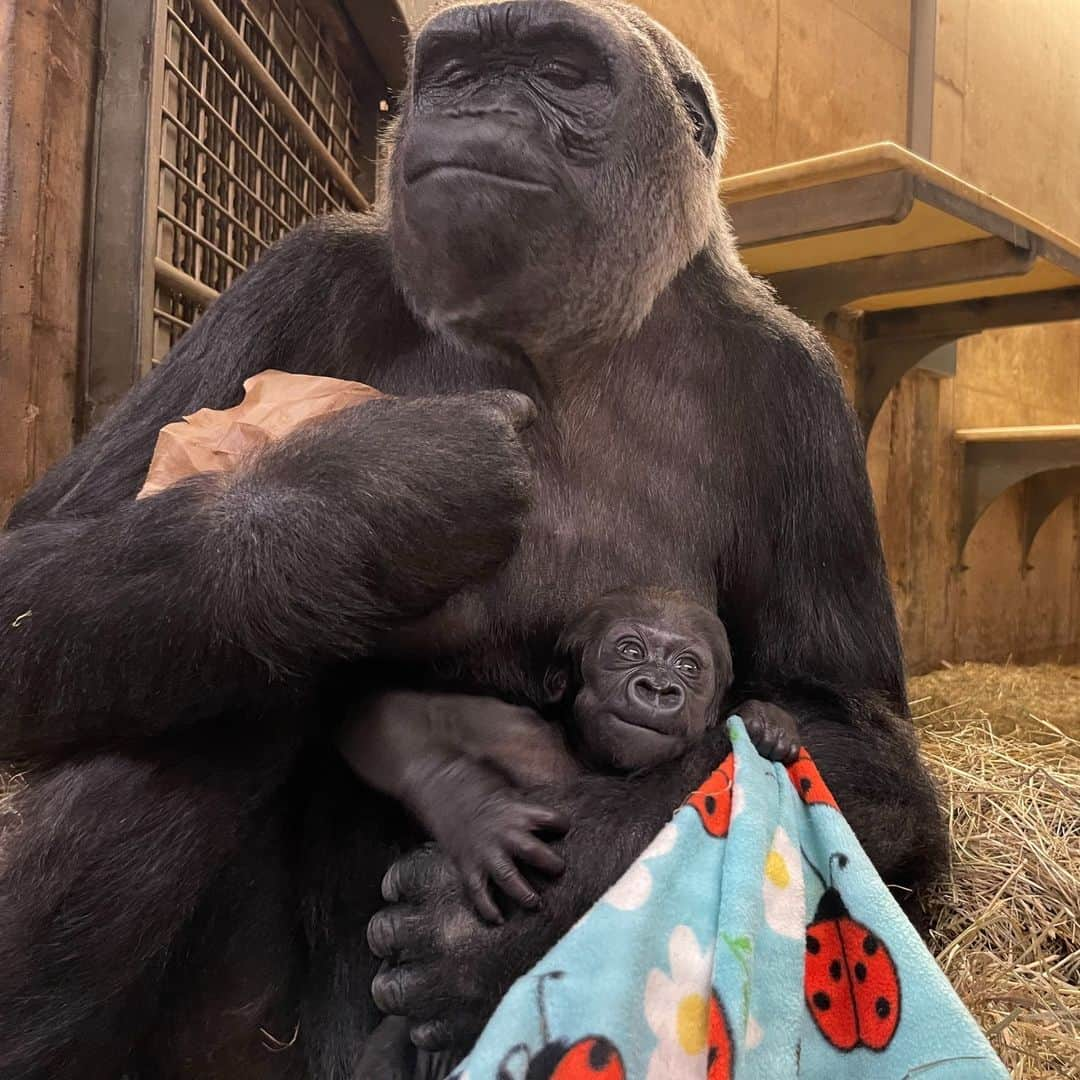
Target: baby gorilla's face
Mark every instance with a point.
(649, 689)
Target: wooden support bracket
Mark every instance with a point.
(1040, 496)
(889, 344)
(995, 459)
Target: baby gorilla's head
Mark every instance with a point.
(648, 671)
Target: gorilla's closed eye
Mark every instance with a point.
(697, 107)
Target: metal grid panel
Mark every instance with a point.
(236, 171)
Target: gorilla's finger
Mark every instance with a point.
(545, 818)
(520, 409)
(398, 933)
(401, 990)
(512, 882)
(476, 885)
(412, 876)
(536, 853)
(432, 1035)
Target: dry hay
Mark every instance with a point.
(1005, 926)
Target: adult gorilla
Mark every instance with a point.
(187, 880)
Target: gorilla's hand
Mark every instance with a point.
(446, 969)
(376, 514)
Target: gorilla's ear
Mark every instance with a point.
(556, 682)
(699, 111)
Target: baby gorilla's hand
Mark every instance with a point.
(491, 839)
(487, 828)
(771, 729)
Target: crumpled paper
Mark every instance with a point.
(215, 440)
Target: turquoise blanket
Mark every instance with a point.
(754, 940)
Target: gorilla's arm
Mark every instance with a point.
(820, 626)
(171, 609)
(119, 618)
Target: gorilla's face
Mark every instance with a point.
(648, 690)
(544, 178)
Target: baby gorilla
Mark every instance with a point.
(645, 672)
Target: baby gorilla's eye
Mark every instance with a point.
(688, 665)
(630, 649)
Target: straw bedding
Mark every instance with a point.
(1005, 926)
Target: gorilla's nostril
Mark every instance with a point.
(657, 694)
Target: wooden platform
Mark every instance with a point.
(1045, 459)
(898, 254)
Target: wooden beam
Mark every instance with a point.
(880, 199)
(966, 317)
(48, 66)
(817, 291)
(1035, 433)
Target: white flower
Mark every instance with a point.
(677, 1008)
(754, 1034)
(635, 886)
(783, 888)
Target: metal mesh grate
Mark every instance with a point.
(238, 168)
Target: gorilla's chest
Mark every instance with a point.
(622, 496)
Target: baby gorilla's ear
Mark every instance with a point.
(556, 681)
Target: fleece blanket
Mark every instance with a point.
(753, 940)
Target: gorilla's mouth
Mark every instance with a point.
(452, 169)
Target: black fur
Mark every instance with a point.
(187, 874)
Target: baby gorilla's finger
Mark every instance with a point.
(544, 819)
(476, 885)
(505, 874)
(534, 852)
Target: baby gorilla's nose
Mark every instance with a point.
(657, 692)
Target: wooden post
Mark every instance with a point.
(48, 62)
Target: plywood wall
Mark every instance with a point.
(803, 77)
(1007, 118)
(47, 70)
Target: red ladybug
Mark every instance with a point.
(850, 981)
(721, 1048)
(591, 1058)
(808, 783)
(712, 800)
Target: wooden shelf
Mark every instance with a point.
(899, 255)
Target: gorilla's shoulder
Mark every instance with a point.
(341, 234)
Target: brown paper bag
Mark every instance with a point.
(215, 440)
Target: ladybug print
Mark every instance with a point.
(850, 981)
(712, 800)
(591, 1058)
(808, 783)
(721, 1049)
